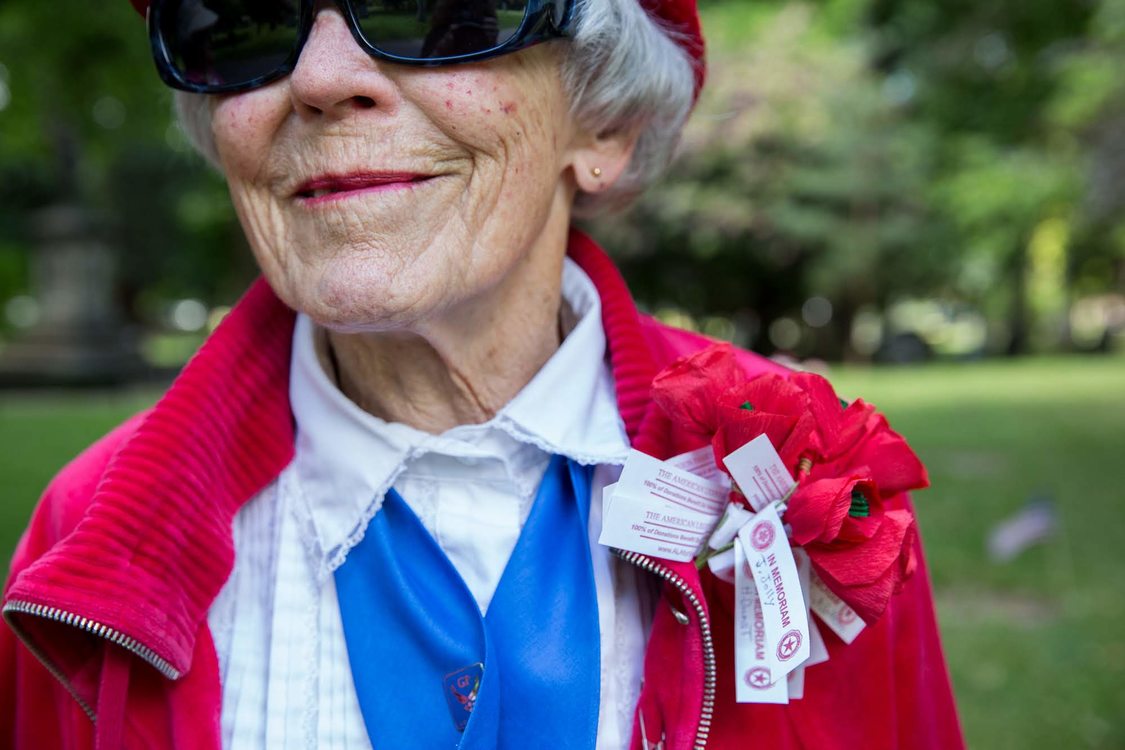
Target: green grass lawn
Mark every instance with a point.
(39, 433)
(1036, 646)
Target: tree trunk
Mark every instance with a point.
(1018, 323)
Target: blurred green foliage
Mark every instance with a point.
(84, 118)
(858, 152)
(867, 152)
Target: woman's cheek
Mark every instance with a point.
(243, 126)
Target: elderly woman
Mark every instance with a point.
(367, 513)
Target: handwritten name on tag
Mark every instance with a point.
(770, 558)
(659, 510)
(755, 681)
(834, 611)
(759, 472)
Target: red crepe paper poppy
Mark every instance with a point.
(847, 461)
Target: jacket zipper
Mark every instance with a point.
(90, 626)
(161, 665)
(709, 669)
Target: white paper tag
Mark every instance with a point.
(645, 476)
(834, 611)
(727, 529)
(754, 680)
(818, 652)
(818, 655)
(795, 684)
(722, 564)
(759, 472)
(658, 510)
(700, 462)
(818, 649)
(770, 558)
(632, 524)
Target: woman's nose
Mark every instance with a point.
(334, 76)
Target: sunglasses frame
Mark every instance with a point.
(538, 25)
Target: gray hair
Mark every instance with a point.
(621, 71)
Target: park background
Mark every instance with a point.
(923, 200)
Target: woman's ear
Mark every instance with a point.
(599, 160)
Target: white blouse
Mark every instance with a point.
(283, 662)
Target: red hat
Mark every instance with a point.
(679, 17)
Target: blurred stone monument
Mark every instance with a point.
(79, 336)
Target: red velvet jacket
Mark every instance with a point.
(106, 641)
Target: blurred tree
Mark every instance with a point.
(997, 197)
(863, 150)
(799, 178)
(1088, 107)
(846, 154)
(986, 77)
(84, 119)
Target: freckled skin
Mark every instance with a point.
(394, 259)
(440, 297)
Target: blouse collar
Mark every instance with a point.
(347, 459)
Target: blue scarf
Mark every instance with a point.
(431, 672)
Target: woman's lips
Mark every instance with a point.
(337, 187)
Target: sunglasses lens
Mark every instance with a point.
(229, 42)
(558, 13)
(426, 29)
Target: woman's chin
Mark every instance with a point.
(353, 315)
(350, 307)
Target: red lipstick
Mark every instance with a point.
(336, 187)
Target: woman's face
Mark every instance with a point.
(377, 196)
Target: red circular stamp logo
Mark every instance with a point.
(761, 536)
(758, 677)
(788, 646)
(846, 616)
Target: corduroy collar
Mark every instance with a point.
(155, 546)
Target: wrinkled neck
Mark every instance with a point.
(461, 367)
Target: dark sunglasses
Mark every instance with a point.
(217, 46)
